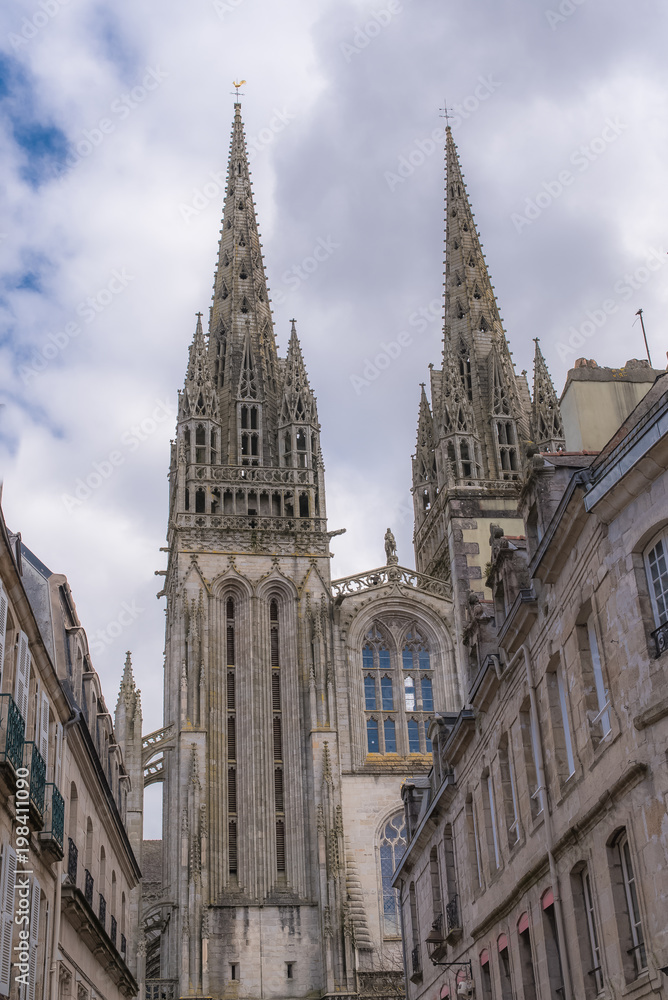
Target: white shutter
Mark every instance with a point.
(7, 888)
(58, 763)
(44, 729)
(35, 906)
(22, 682)
(3, 629)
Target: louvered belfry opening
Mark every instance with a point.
(233, 864)
(277, 734)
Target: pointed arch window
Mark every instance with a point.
(398, 691)
(200, 444)
(391, 850)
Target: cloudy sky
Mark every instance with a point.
(115, 123)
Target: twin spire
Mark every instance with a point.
(236, 383)
(482, 414)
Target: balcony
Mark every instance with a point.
(89, 882)
(453, 920)
(124, 946)
(102, 912)
(35, 764)
(416, 965)
(72, 860)
(660, 636)
(112, 931)
(161, 989)
(436, 946)
(51, 837)
(12, 730)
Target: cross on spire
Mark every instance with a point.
(445, 112)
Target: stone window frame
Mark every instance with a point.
(397, 818)
(401, 714)
(659, 538)
(633, 946)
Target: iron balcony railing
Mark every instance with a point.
(661, 638)
(123, 945)
(72, 860)
(452, 914)
(103, 911)
(54, 813)
(12, 732)
(415, 956)
(112, 931)
(33, 760)
(88, 887)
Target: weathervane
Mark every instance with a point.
(237, 87)
(445, 112)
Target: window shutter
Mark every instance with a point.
(58, 764)
(35, 906)
(7, 888)
(44, 729)
(22, 683)
(3, 628)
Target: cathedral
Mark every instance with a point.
(296, 706)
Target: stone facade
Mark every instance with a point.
(538, 850)
(67, 853)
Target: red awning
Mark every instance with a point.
(523, 923)
(547, 898)
(484, 956)
(502, 942)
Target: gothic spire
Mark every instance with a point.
(471, 310)
(546, 425)
(298, 401)
(199, 395)
(241, 326)
(479, 392)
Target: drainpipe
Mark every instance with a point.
(549, 833)
(53, 983)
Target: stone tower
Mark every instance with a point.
(471, 441)
(294, 705)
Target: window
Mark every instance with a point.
(435, 875)
(526, 958)
(7, 896)
(415, 931)
(560, 720)
(474, 844)
(290, 970)
(530, 760)
(392, 847)
(627, 908)
(509, 792)
(554, 968)
(597, 698)
(399, 698)
(584, 899)
(656, 563)
(451, 907)
(234, 971)
(492, 829)
(231, 738)
(486, 975)
(504, 968)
